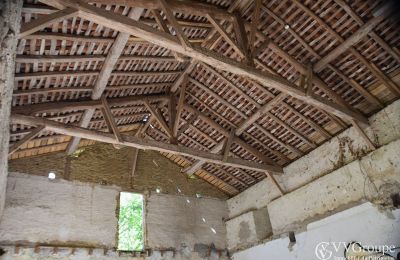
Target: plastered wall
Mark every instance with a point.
(71, 214)
(364, 224)
(337, 175)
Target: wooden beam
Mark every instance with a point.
(161, 23)
(373, 34)
(46, 20)
(391, 86)
(172, 20)
(198, 164)
(319, 83)
(226, 35)
(364, 136)
(134, 163)
(109, 118)
(159, 119)
(276, 184)
(181, 79)
(228, 144)
(184, 7)
(241, 37)
(65, 106)
(124, 24)
(132, 141)
(259, 113)
(105, 73)
(363, 31)
(254, 24)
(179, 108)
(25, 139)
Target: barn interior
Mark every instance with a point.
(210, 129)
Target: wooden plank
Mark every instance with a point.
(109, 118)
(25, 139)
(124, 24)
(139, 143)
(46, 20)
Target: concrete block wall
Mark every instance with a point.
(337, 175)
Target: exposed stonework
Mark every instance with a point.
(10, 16)
(337, 175)
(61, 215)
(103, 164)
(58, 211)
(176, 221)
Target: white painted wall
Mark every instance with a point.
(40, 210)
(363, 223)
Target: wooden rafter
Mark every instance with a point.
(156, 114)
(373, 34)
(254, 24)
(226, 35)
(162, 24)
(133, 141)
(355, 37)
(25, 139)
(179, 107)
(377, 72)
(110, 120)
(105, 73)
(46, 20)
(122, 23)
(302, 69)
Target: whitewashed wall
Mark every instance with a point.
(364, 224)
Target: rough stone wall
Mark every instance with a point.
(337, 175)
(10, 15)
(181, 221)
(75, 220)
(339, 151)
(58, 211)
(103, 164)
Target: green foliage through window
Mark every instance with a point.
(130, 233)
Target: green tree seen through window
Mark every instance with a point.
(130, 233)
